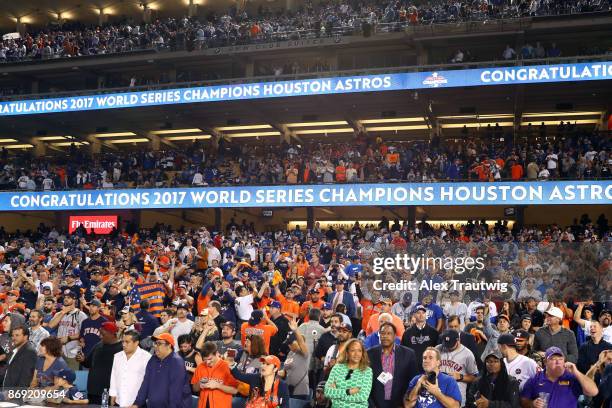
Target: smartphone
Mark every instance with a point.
(431, 378)
(203, 380)
(231, 353)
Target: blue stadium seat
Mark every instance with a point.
(194, 401)
(297, 403)
(81, 379)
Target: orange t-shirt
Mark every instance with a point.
(288, 307)
(517, 172)
(266, 331)
(373, 325)
(306, 306)
(340, 173)
(220, 372)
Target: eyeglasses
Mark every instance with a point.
(160, 343)
(348, 375)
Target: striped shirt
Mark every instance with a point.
(154, 293)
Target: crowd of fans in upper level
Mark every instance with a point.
(365, 159)
(240, 27)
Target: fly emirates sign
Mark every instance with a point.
(101, 224)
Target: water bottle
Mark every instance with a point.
(104, 398)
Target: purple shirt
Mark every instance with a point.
(388, 366)
(563, 393)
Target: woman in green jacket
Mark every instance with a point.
(350, 380)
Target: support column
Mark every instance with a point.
(218, 220)
(249, 69)
(309, 218)
(95, 146)
(35, 86)
(102, 17)
(411, 216)
(192, 9)
(40, 148)
(155, 141)
(421, 53)
(520, 215)
(289, 5)
(101, 82)
(20, 27)
(172, 74)
(146, 14)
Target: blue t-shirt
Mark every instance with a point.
(90, 332)
(447, 385)
(352, 269)
(434, 312)
(45, 377)
(563, 393)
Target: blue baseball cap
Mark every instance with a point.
(275, 303)
(554, 351)
(327, 306)
(67, 374)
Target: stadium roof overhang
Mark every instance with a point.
(405, 113)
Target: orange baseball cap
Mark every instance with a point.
(168, 338)
(271, 360)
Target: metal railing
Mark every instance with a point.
(476, 23)
(311, 75)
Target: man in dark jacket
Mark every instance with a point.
(393, 366)
(165, 384)
(100, 362)
(22, 361)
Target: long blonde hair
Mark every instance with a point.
(343, 355)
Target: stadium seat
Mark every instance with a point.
(297, 403)
(195, 401)
(81, 380)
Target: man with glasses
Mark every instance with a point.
(213, 380)
(165, 383)
(128, 370)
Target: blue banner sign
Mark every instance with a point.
(503, 193)
(337, 85)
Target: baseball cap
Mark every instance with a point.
(125, 310)
(555, 311)
(346, 326)
(256, 316)
(554, 351)
(506, 339)
(95, 302)
(449, 338)
(13, 292)
(109, 327)
(420, 308)
(521, 334)
(313, 291)
(327, 306)
(167, 337)
(526, 317)
(275, 303)
(503, 316)
(229, 323)
(182, 306)
(65, 373)
(70, 293)
(271, 360)
(385, 300)
(495, 353)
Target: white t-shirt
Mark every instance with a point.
(521, 368)
(551, 161)
(179, 329)
(244, 307)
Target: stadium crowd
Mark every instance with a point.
(238, 27)
(295, 318)
(574, 155)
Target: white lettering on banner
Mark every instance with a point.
(501, 193)
(547, 73)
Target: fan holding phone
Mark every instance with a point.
(433, 389)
